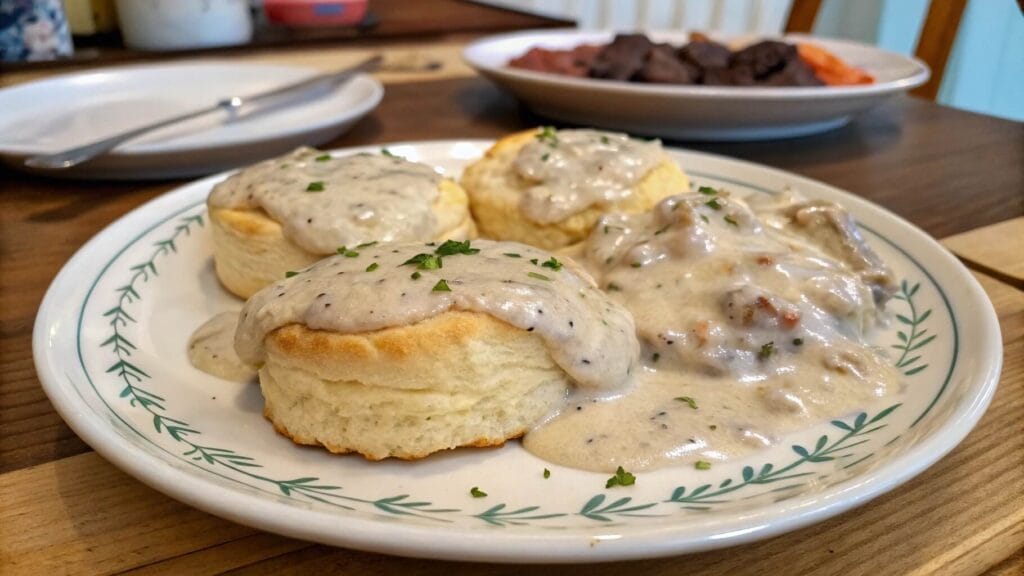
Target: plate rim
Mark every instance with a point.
(479, 545)
(153, 150)
(732, 93)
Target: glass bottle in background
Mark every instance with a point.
(33, 30)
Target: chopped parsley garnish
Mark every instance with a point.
(317, 186)
(415, 275)
(366, 244)
(637, 264)
(538, 276)
(476, 492)
(535, 261)
(621, 478)
(707, 191)
(662, 230)
(714, 204)
(441, 286)
(425, 262)
(552, 263)
(689, 401)
(605, 140)
(544, 157)
(766, 350)
(704, 218)
(372, 267)
(290, 273)
(713, 427)
(323, 158)
(655, 357)
(608, 227)
(452, 247)
(512, 255)
(702, 465)
(613, 287)
(731, 220)
(347, 253)
(386, 152)
(798, 341)
(548, 136)
(547, 473)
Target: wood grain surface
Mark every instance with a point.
(65, 510)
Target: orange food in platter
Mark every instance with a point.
(830, 68)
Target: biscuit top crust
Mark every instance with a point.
(572, 170)
(371, 287)
(324, 202)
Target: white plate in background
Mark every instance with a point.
(714, 113)
(69, 110)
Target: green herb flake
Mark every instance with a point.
(547, 473)
(323, 158)
(689, 401)
(538, 276)
(452, 247)
(544, 157)
(605, 140)
(552, 263)
(637, 264)
(548, 135)
(662, 230)
(441, 286)
(317, 186)
(347, 253)
(512, 255)
(290, 273)
(707, 191)
(655, 357)
(535, 261)
(366, 244)
(415, 275)
(621, 478)
(372, 267)
(714, 204)
(702, 465)
(386, 152)
(731, 220)
(613, 287)
(425, 262)
(798, 341)
(476, 492)
(766, 351)
(705, 219)
(713, 427)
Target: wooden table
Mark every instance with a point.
(63, 509)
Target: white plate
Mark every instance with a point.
(110, 344)
(66, 111)
(692, 112)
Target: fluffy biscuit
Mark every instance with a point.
(456, 379)
(250, 250)
(495, 189)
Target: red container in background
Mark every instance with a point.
(314, 13)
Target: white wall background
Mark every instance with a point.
(985, 72)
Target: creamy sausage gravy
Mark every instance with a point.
(212, 349)
(748, 330)
(323, 202)
(386, 285)
(573, 170)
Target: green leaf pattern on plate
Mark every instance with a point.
(598, 508)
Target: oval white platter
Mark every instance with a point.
(110, 343)
(72, 109)
(692, 112)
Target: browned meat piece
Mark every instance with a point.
(729, 77)
(575, 62)
(752, 307)
(795, 73)
(764, 58)
(623, 58)
(662, 67)
(705, 54)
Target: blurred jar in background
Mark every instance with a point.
(33, 30)
(184, 24)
